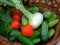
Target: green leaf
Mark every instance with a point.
(7, 3)
(13, 35)
(5, 20)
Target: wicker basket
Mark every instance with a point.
(53, 6)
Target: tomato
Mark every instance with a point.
(15, 24)
(27, 31)
(17, 16)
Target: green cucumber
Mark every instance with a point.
(51, 33)
(53, 23)
(44, 31)
(53, 17)
(37, 40)
(36, 33)
(24, 40)
(47, 14)
(33, 9)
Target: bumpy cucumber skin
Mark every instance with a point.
(44, 32)
(24, 40)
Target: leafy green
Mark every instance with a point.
(5, 20)
(13, 35)
(7, 2)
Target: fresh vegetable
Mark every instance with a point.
(37, 40)
(53, 23)
(53, 17)
(17, 16)
(34, 19)
(24, 21)
(5, 20)
(7, 3)
(33, 10)
(44, 31)
(27, 30)
(13, 35)
(36, 33)
(47, 14)
(15, 24)
(24, 40)
(51, 33)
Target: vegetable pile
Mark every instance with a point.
(29, 27)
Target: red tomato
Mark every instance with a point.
(15, 24)
(27, 31)
(17, 16)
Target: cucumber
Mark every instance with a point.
(47, 14)
(44, 31)
(24, 40)
(36, 33)
(51, 33)
(33, 9)
(53, 17)
(37, 40)
(53, 23)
